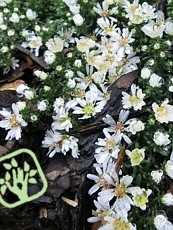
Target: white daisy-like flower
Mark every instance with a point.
(145, 73)
(135, 100)
(140, 196)
(120, 191)
(161, 222)
(136, 156)
(12, 121)
(84, 44)
(88, 106)
(42, 105)
(155, 80)
(30, 14)
(14, 18)
(11, 63)
(122, 40)
(55, 44)
(167, 199)
(155, 29)
(108, 147)
(169, 27)
(134, 126)
(62, 121)
(104, 10)
(161, 138)
(119, 125)
(49, 57)
(163, 113)
(157, 175)
(169, 168)
(57, 142)
(41, 74)
(116, 223)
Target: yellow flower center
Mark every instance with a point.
(123, 41)
(133, 99)
(88, 79)
(109, 144)
(105, 13)
(121, 224)
(120, 190)
(13, 121)
(161, 111)
(80, 93)
(133, 8)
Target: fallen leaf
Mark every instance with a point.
(3, 150)
(43, 213)
(11, 85)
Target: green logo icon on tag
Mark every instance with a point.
(18, 177)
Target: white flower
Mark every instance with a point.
(57, 142)
(41, 74)
(169, 168)
(55, 44)
(167, 199)
(31, 15)
(145, 73)
(71, 83)
(69, 73)
(169, 27)
(14, 18)
(120, 191)
(119, 125)
(155, 80)
(13, 63)
(58, 104)
(12, 121)
(75, 9)
(84, 44)
(42, 105)
(21, 88)
(78, 19)
(78, 63)
(49, 57)
(155, 29)
(157, 175)
(108, 147)
(161, 138)
(135, 100)
(21, 105)
(62, 121)
(161, 223)
(164, 112)
(29, 94)
(140, 196)
(135, 126)
(136, 156)
(88, 106)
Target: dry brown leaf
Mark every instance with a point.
(43, 213)
(11, 85)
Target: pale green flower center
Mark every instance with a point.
(136, 157)
(133, 99)
(88, 109)
(141, 199)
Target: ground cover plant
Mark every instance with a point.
(95, 78)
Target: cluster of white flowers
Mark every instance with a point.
(88, 64)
